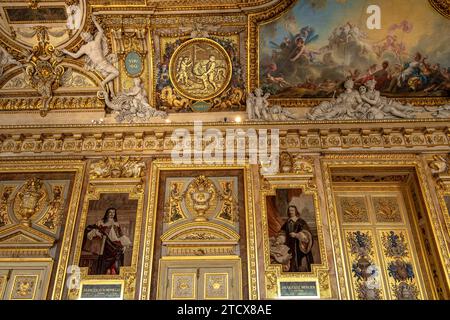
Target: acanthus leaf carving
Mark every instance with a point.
(43, 70)
(117, 167)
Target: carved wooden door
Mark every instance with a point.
(24, 281)
(379, 244)
(200, 279)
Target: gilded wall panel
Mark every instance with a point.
(40, 200)
(109, 228)
(200, 210)
(413, 288)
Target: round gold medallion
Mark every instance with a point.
(200, 69)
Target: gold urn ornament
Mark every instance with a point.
(202, 193)
(30, 197)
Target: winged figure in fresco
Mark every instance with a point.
(295, 45)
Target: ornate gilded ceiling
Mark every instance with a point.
(50, 61)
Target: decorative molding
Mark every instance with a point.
(181, 6)
(132, 139)
(440, 169)
(74, 166)
(161, 165)
(441, 6)
(43, 70)
(117, 167)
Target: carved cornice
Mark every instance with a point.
(306, 102)
(161, 6)
(117, 167)
(56, 103)
(132, 139)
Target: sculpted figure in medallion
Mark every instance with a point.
(207, 74)
(97, 56)
(200, 69)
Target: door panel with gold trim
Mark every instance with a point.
(24, 281)
(381, 256)
(198, 279)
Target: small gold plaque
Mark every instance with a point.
(200, 69)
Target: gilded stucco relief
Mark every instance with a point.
(91, 92)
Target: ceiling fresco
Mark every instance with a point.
(140, 61)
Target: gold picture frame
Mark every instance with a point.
(255, 21)
(127, 274)
(273, 273)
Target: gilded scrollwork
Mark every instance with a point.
(117, 167)
(4, 201)
(353, 209)
(441, 6)
(24, 287)
(387, 209)
(53, 217)
(43, 70)
(440, 164)
(286, 162)
(229, 210)
(303, 165)
(173, 210)
(129, 286)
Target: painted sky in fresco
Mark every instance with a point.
(430, 29)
